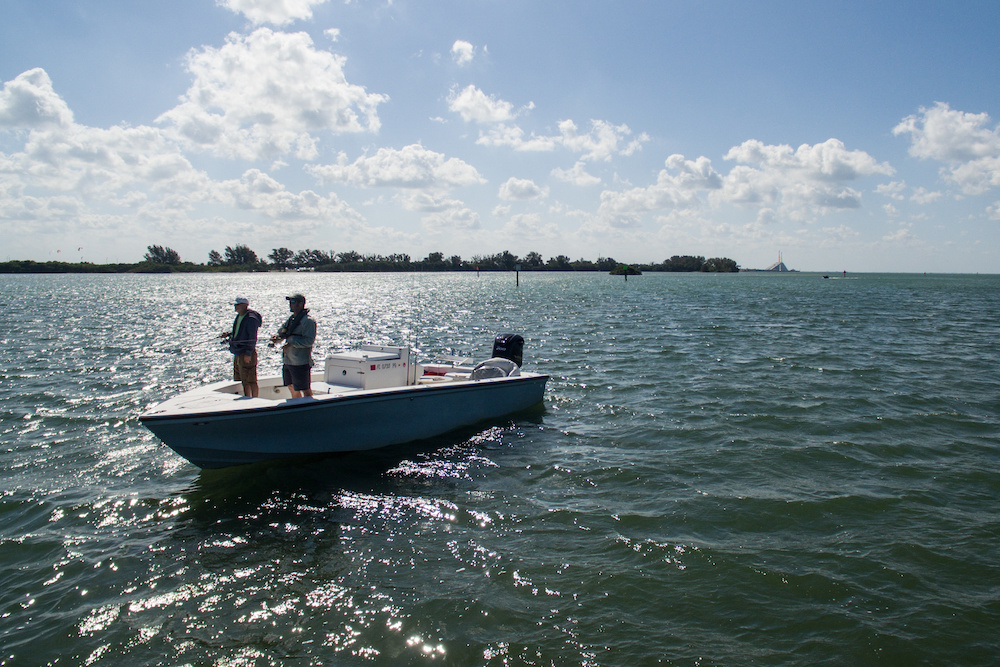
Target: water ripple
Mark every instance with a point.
(744, 469)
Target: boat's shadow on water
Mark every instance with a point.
(273, 490)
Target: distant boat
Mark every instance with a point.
(364, 399)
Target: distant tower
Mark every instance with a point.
(778, 266)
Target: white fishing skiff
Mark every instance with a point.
(363, 399)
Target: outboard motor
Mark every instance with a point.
(509, 346)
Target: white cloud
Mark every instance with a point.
(128, 184)
(842, 232)
(275, 12)
(892, 190)
(513, 137)
(786, 183)
(941, 133)
(29, 102)
(475, 105)
(518, 189)
(829, 161)
(577, 175)
(94, 163)
(267, 94)
(412, 166)
(463, 52)
(456, 218)
(902, 236)
(803, 182)
(428, 202)
(260, 192)
(923, 196)
(677, 186)
(531, 227)
(602, 142)
(963, 141)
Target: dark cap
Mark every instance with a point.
(295, 297)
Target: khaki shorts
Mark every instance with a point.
(243, 372)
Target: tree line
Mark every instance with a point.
(321, 260)
(242, 258)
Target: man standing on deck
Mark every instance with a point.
(299, 334)
(243, 345)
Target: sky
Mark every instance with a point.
(853, 135)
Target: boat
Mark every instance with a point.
(363, 399)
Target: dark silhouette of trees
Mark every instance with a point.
(242, 258)
(313, 258)
(720, 265)
(281, 257)
(625, 270)
(559, 263)
(533, 260)
(157, 254)
(241, 255)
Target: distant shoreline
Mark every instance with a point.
(52, 267)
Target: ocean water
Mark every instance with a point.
(746, 469)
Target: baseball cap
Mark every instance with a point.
(241, 299)
(296, 297)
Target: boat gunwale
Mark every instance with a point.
(323, 400)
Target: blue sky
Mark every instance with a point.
(851, 136)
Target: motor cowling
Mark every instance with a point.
(509, 346)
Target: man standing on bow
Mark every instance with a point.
(299, 334)
(243, 345)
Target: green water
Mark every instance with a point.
(745, 469)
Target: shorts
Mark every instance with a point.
(299, 377)
(243, 372)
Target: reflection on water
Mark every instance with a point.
(700, 486)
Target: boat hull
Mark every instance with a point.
(236, 431)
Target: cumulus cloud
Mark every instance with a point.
(994, 211)
(463, 52)
(29, 102)
(806, 181)
(267, 94)
(531, 227)
(600, 142)
(129, 182)
(512, 136)
(452, 219)
(900, 236)
(275, 12)
(967, 143)
(260, 193)
(577, 175)
(410, 167)
(97, 163)
(784, 182)
(677, 186)
(942, 133)
(474, 105)
(519, 189)
(603, 141)
(892, 190)
(924, 196)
